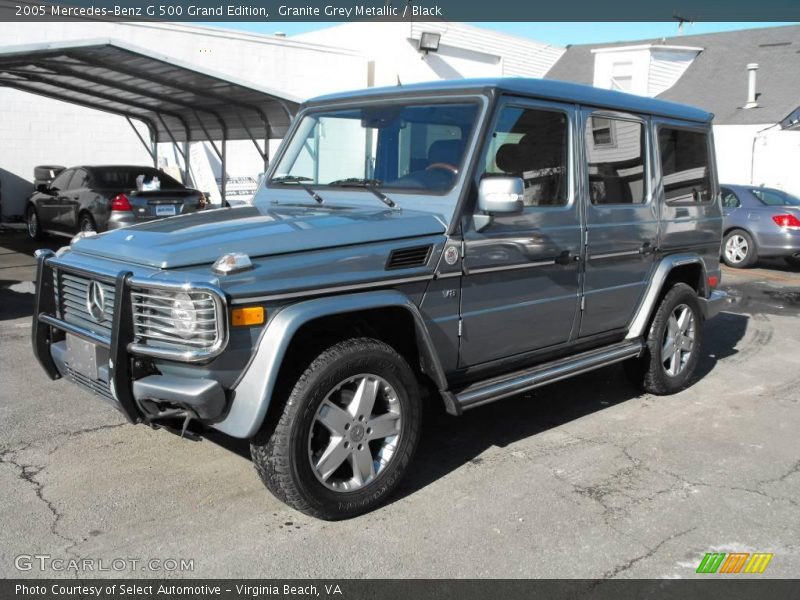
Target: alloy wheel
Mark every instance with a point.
(33, 224)
(355, 433)
(736, 248)
(679, 339)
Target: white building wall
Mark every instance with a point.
(666, 68)
(758, 155)
(652, 69)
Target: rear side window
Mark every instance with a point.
(531, 144)
(61, 182)
(615, 149)
(729, 199)
(684, 165)
(775, 198)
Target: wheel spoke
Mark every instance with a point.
(333, 417)
(363, 464)
(673, 363)
(668, 348)
(684, 319)
(384, 426)
(686, 343)
(364, 400)
(333, 457)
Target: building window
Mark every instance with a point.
(602, 131)
(622, 76)
(616, 171)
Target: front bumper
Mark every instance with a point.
(714, 304)
(141, 395)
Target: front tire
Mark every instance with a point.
(86, 223)
(739, 249)
(674, 344)
(347, 433)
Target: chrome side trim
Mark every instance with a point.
(480, 394)
(85, 334)
(187, 355)
(448, 275)
(253, 393)
(333, 290)
(530, 265)
(613, 254)
(647, 304)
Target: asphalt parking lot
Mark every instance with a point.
(584, 478)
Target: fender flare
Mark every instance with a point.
(651, 295)
(253, 393)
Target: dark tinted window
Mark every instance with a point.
(62, 181)
(775, 197)
(124, 178)
(531, 144)
(615, 150)
(684, 165)
(80, 180)
(729, 199)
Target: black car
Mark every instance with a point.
(107, 197)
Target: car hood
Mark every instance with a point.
(202, 237)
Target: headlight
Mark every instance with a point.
(184, 314)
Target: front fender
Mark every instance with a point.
(253, 393)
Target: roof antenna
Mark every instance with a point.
(399, 83)
(681, 20)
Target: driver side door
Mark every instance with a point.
(520, 290)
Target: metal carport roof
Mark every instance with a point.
(178, 102)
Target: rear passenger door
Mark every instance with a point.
(621, 218)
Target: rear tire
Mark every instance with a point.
(34, 226)
(347, 432)
(793, 261)
(86, 223)
(673, 347)
(739, 249)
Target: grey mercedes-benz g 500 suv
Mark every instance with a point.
(457, 242)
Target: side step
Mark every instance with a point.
(484, 392)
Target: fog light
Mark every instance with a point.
(248, 316)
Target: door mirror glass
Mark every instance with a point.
(501, 195)
(42, 187)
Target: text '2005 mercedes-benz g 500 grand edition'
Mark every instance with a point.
(454, 242)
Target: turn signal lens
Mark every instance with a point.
(788, 220)
(120, 203)
(248, 316)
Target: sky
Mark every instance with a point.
(559, 34)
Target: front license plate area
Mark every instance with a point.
(165, 210)
(82, 356)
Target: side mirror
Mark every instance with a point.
(501, 195)
(42, 187)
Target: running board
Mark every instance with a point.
(484, 392)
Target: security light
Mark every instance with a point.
(429, 42)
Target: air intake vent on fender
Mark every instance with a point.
(405, 258)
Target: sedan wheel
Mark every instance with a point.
(32, 221)
(739, 249)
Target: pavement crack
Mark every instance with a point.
(650, 552)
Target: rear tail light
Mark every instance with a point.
(788, 220)
(713, 281)
(120, 203)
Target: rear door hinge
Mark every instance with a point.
(583, 302)
(460, 327)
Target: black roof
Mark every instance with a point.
(538, 88)
(717, 78)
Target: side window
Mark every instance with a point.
(79, 180)
(769, 198)
(615, 150)
(729, 199)
(61, 182)
(531, 144)
(684, 165)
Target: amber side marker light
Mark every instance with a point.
(247, 316)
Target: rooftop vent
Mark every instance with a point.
(752, 95)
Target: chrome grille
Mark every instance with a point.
(157, 322)
(71, 295)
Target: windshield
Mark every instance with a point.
(414, 147)
(775, 197)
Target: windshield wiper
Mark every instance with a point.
(368, 184)
(299, 180)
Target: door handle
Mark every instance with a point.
(566, 258)
(647, 248)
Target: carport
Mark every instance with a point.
(177, 102)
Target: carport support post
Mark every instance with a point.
(223, 180)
